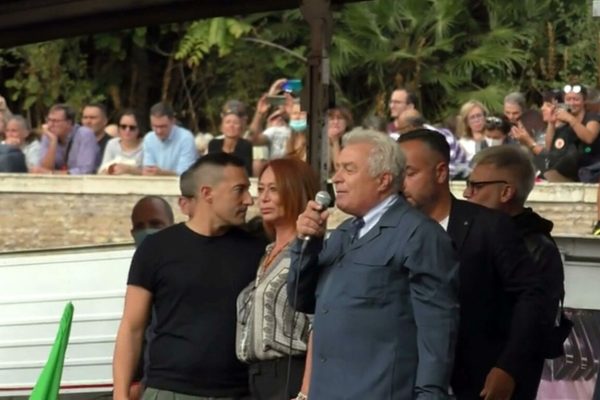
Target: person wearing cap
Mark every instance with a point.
(168, 149)
(231, 141)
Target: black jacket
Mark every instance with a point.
(536, 232)
(11, 159)
(500, 298)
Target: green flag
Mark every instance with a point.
(48, 383)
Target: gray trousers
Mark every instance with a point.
(157, 394)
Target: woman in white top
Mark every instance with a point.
(470, 127)
(123, 154)
(18, 134)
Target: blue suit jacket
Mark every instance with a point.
(386, 308)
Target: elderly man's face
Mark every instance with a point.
(357, 191)
(512, 112)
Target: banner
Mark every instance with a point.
(48, 383)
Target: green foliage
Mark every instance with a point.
(447, 51)
(202, 36)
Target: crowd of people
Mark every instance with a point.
(561, 137)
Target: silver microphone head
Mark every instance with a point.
(323, 198)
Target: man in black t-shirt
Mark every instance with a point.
(191, 273)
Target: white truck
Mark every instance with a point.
(34, 288)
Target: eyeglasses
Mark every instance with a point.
(572, 89)
(476, 117)
(54, 120)
(477, 185)
(125, 127)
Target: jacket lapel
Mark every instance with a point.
(391, 218)
(459, 223)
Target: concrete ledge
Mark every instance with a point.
(48, 211)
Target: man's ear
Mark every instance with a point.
(508, 193)
(206, 193)
(442, 172)
(385, 181)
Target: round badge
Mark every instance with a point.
(559, 143)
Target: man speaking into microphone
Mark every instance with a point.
(383, 287)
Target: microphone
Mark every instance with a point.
(323, 199)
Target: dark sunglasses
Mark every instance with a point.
(130, 127)
(476, 185)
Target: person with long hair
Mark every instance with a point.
(470, 126)
(123, 154)
(339, 122)
(265, 319)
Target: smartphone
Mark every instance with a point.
(276, 100)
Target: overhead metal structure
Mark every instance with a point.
(30, 21)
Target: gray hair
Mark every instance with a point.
(516, 98)
(513, 159)
(20, 120)
(385, 155)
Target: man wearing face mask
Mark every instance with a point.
(149, 215)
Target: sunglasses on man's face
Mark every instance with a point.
(127, 127)
(572, 89)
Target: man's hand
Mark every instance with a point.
(150, 170)
(262, 106)
(564, 116)
(277, 87)
(52, 138)
(499, 385)
(519, 133)
(39, 170)
(313, 221)
(13, 141)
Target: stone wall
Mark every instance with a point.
(59, 211)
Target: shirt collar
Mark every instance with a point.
(373, 216)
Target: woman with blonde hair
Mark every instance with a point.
(470, 126)
(269, 330)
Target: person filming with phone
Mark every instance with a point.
(571, 137)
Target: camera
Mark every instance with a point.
(563, 106)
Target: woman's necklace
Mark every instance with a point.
(272, 255)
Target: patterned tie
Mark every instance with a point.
(357, 224)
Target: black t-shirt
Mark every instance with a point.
(195, 281)
(568, 153)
